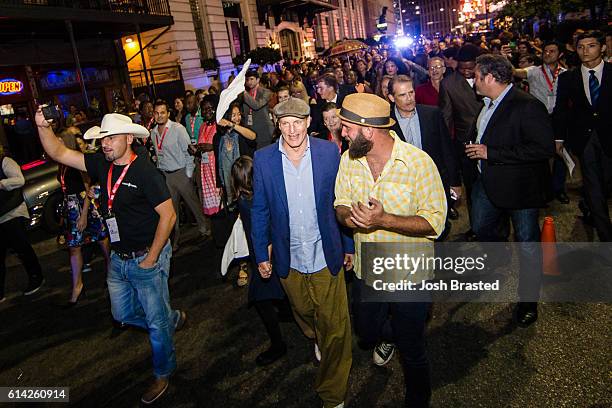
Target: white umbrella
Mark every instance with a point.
(232, 92)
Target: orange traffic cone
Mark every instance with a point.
(550, 266)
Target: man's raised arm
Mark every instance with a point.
(54, 148)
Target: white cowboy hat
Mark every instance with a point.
(116, 124)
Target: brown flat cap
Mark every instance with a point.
(366, 110)
(292, 107)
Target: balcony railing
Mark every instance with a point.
(147, 7)
(156, 76)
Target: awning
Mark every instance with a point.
(345, 47)
(312, 6)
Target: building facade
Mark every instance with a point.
(208, 34)
(64, 54)
(347, 22)
(410, 16)
(439, 17)
(373, 9)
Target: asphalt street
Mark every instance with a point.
(479, 358)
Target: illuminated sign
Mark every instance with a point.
(58, 79)
(10, 86)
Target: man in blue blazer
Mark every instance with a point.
(293, 210)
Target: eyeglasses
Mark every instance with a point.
(435, 67)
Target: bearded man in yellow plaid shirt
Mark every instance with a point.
(388, 191)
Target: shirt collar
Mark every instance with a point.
(598, 69)
(499, 98)
(395, 153)
(559, 68)
(168, 126)
(399, 116)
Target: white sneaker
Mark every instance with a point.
(383, 353)
(317, 352)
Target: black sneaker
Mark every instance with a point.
(33, 287)
(383, 353)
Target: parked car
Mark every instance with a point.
(42, 194)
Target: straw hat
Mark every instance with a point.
(366, 110)
(116, 124)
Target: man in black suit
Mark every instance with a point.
(328, 90)
(582, 118)
(423, 127)
(460, 105)
(514, 140)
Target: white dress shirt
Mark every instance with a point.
(538, 85)
(585, 77)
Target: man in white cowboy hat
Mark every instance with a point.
(139, 214)
(388, 190)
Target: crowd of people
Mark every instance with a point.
(321, 156)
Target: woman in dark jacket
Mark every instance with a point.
(266, 294)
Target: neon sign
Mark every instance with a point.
(10, 86)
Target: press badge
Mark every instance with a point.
(113, 229)
(250, 119)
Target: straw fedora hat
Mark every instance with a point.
(116, 124)
(366, 110)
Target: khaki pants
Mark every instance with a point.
(320, 307)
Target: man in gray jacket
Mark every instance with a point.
(255, 109)
(171, 142)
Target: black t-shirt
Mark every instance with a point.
(142, 189)
(73, 181)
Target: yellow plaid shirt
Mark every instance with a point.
(408, 185)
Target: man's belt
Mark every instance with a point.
(131, 254)
(172, 171)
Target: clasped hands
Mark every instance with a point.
(200, 148)
(265, 268)
(368, 216)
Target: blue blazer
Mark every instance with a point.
(270, 211)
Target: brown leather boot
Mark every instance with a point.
(155, 390)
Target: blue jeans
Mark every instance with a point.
(485, 223)
(140, 297)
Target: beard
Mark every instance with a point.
(360, 146)
(110, 156)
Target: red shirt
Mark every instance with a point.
(331, 139)
(426, 94)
